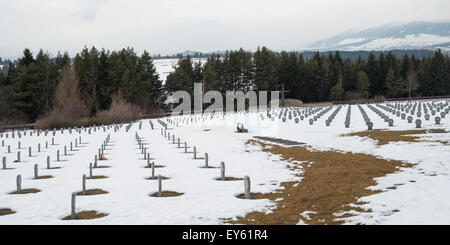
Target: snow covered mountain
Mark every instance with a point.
(415, 35)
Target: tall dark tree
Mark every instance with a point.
(266, 78)
(34, 81)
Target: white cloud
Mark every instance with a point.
(171, 26)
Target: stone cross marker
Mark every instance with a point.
(222, 170)
(73, 200)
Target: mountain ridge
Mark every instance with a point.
(413, 35)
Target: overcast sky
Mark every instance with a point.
(170, 26)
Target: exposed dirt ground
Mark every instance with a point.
(6, 211)
(156, 178)
(331, 181)
(27, 191)
(168, 194)
(92, 192)
(229, 179)
(45, 177)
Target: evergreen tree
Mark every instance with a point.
(265, 70)
(2, 79)
(149, 83)
(374, 70)
(434, 78)
(34, 81)
(336, 92)
(182, 78)
(395, 86)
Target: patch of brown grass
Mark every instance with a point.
(167, 194)
(229, 179)
(385, 137)
(156, 166)
(6, 211)
(26, 191)
(156, 178)
(98, 177)
(87, 215)
(92, 192)
(45, 177)
(329, 184)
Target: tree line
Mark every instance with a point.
(318, 78)
(28, 89)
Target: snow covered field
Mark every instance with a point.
(421, 196)
(165, 66)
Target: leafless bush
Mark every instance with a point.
(119, 111)
(355, 97)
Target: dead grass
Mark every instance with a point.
(119, 111)
(92, 192)
(156, 166)
(167, 194)
(385, 137)
(6, 211)
(98, 177)
(229, 179)
(253, 196)
(87, 215)
(331, 181)
(45, 177)
(26, 191)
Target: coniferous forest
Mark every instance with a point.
(102, 77)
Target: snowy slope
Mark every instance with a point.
(165, 66)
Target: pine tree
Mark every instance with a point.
(337, 91)
(34, 82)
(363, 84)
(149, 83)
(434, 78)
(2, 79)
(265, 70)
(395, 86)
(374, 70)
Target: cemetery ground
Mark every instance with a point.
(296, 165)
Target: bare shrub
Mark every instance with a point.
(358, 97)
(119, 111)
